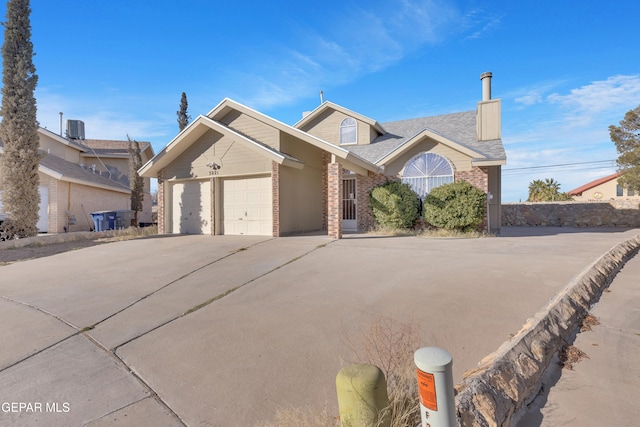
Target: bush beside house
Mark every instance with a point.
(455, 206)
(394, 205)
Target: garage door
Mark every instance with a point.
(43, 212)
(246, 206)
(191, 207)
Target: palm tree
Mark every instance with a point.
(536, 191)
(552, 189)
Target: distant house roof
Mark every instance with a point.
(107, 147)
(72, 172)
(590, 185)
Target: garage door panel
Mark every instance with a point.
(191, 207)
(247, 206)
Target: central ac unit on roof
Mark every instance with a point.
(75, 129)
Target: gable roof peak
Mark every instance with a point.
(326, 105)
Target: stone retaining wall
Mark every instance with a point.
(613, 213)
(498, 390)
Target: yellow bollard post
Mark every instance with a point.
(362, 395)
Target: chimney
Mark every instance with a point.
(488, 120)
(486, 85)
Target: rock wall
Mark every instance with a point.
(614, 213)
(498, 390)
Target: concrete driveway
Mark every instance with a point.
(225, 331)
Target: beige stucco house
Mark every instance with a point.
(79, 176)
(238, 171)
(603, 189)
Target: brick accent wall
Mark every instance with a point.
(364, 186)
(334, 200)
(161, 206)
(275, 198)
(478, 177)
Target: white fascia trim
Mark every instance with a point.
(488, 162)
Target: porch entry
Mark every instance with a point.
(349, 204)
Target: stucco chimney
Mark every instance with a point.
(486, 85)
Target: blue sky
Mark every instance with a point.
(565, 70)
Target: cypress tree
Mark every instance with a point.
(19, 128)
(183, 117)
(136, 183)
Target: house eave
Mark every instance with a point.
(488, 162)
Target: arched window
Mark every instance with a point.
(348, 131)
(427, 171)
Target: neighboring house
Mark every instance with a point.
(78, 177)
(606, 188)
(238, 171)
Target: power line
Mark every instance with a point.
(564, 164)
(599, 164)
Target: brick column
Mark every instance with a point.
(161, 206)
(334, 200)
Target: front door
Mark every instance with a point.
(349, 204)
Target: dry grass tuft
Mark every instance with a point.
(390, 345)
(569, 355)
(441, 232)
(379, 230)
(589, 321)
(130, 233)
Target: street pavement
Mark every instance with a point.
(603, 388)
(226, 331)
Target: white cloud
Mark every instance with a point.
(359, 42)
(615, 95)
(102, 121)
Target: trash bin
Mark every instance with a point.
(98, 220)
(109, 220)
(123, 218)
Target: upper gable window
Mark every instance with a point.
(427, 171)
(348, 131)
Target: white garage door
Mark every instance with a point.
(247, 206)
(43, 211)
(43, 219)
(191, 207)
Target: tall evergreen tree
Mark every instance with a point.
(627, 140)
(136, 183)
(183, 116)
(19, 128)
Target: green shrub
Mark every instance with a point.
(394, 205)
(458, 206)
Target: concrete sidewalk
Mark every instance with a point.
(197, 330)
(604, 387)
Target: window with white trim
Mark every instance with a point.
(427, 171)
(348, 131)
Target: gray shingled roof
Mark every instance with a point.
(457, 127)
(77, 172)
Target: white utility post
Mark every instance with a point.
(435, 384)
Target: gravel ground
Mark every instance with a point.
(11, 255)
